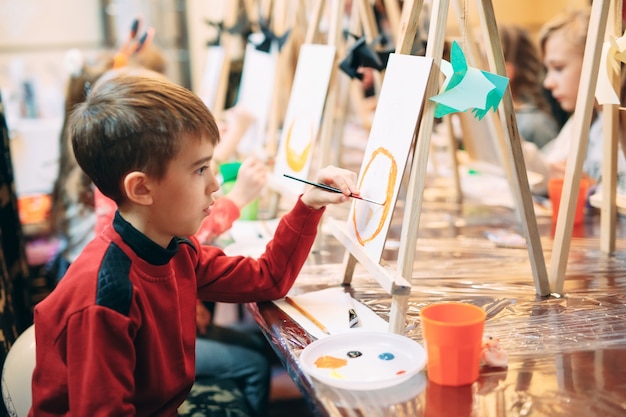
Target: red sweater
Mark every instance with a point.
(117, 335)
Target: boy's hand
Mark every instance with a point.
(133, 44)
(340, 178)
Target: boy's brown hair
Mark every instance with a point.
(135, 121)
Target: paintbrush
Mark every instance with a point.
(306, 314)
(332, 189)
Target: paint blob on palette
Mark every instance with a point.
(363, 360)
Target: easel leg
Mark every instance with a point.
(520, 186)
(582, 122)
(610, 133)
(349, 263)
(397, 315)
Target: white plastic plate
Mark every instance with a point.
(363, 360)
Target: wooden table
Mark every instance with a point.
(567, 354)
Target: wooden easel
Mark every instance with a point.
(514, 153)
(393, 280)
(396, 283)
(334, 112)
(491, 120)
(330, 118)
(231, 11)
(313, 36)
(285, 15)
(611, 135)
(599, 24)
(342, 88)
(229, 20)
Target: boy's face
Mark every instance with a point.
(183, 197)
(563, 63)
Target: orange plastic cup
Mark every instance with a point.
(555, 189)
(453, 334)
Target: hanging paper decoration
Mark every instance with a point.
(467, 87)
(264, 39)
(362, 54)
(236, 28)
(613, 54)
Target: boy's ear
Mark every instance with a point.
(137, 188)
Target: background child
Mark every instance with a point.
(562, 42)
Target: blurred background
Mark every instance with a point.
(36, 34)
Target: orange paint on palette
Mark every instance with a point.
(391, 182)
(297, 160)
(330, 362)
(400, 372)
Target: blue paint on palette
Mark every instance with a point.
(386, 356)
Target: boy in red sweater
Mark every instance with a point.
(117, 335)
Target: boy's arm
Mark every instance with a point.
(242, 279)
(238, 279)
(100, 363)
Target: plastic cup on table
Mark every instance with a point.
(555, 189)
(453, 334)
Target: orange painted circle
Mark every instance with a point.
(297, 160)
(391, 182)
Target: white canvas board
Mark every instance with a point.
(388, 146)
(304, 115)
(330, 307)
(255, 94)
(211, 75)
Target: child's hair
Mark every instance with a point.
(72, 186)
(573, 25)
(135, 121)
(150, 57)
(520, 50)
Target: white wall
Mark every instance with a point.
(40, 23)
(34, 36)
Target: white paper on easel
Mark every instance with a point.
(304, 115)
(393, 128)
(211, 75)
(610, 58)
(255, 94)
(330, 308)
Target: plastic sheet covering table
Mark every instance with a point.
(567, 352)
